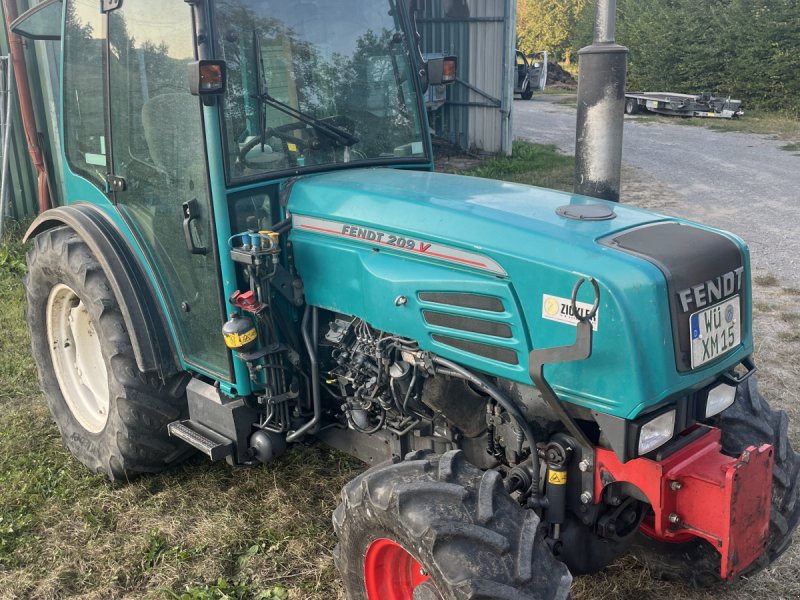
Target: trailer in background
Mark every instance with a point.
(683, 105)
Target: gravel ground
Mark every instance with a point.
(740, 182)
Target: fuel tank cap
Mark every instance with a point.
(586, 212)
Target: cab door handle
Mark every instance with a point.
(191, 212)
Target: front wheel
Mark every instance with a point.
(112, 417)
(750, 421)
(437, 528)
(527, 93)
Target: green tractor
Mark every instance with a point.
(255, 251)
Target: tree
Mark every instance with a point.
(548, 25)
(748, 49)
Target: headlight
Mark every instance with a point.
(657, 432)
(719, 398)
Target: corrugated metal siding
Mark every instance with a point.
(43, 62)
(477, 31)
(22, 178)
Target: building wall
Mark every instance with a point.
(43, 61)
(481, 33)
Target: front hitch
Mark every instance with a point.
(700, 492)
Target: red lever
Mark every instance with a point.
(246, 301)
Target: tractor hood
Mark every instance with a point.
(482, 272)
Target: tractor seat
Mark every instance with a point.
(171, 128)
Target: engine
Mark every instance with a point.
(378, 378)
(384, 384)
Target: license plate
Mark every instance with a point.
(652, 104)
(715, 331)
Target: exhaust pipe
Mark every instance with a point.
(601, 109)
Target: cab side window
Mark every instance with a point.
(84, 100)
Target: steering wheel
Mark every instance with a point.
(280, 132)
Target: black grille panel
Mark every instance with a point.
(469, 324)
(504, 355)
(474, 301)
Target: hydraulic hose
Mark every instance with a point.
(311, 347)
(451, 368)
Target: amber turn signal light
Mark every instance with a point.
(207, 77)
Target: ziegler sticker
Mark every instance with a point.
(377, 237)
(560, 310)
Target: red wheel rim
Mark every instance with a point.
(390, 572)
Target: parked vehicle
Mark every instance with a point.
(531, 73)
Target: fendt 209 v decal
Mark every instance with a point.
(377, 237)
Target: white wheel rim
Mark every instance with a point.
(77, 358)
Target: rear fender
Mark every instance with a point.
(144, 319)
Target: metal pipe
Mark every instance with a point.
(601, 109)
(605, 23)
(311, 347)
(17, 50)
(509, 39)
(7, 104)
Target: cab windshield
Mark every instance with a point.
(316, 83)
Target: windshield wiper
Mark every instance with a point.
(337, 134)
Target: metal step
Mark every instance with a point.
(209, 442)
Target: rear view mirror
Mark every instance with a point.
(42, 22)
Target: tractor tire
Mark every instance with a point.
(527, 93)
(435, 527)
(112, 417)
(631, 107)
(749, 421)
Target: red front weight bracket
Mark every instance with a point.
(699, 491)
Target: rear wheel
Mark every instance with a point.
(437, 528)
(748, 422)
(112, 417)
(631, 106)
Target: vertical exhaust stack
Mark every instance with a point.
(601, 109)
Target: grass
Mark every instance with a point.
(532, 164)
(772, 123)
(206, 531)
(557, 91)
(766, 280)
(793, 147)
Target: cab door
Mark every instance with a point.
(522, 71)
(159, 173)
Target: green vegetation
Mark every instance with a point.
(764, 122)
(532, 164)
(749, 50)
(793, 147)
(548, 25)
(765, 280)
